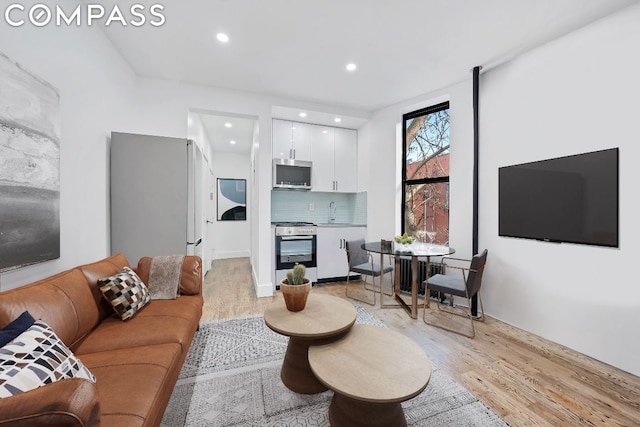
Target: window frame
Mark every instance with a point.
(410, 182)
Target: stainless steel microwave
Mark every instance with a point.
(292, 174)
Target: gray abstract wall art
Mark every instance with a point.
(29, 168)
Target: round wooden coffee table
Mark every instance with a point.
(324, 316)
(371, 370)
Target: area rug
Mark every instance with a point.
(231, 378)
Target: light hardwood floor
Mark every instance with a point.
(527, 380)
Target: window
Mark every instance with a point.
(425, 174)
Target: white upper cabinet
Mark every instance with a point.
(333, 152)
(335, 160)
(301, 141)
(291, 140)
(345, 143)
(322, 171)
(281, 139)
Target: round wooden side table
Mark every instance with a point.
(371, 370)
(324, 316)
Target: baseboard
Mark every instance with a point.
(338, 279)
(264, 289)
(234, 254)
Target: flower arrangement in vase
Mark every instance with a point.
(295, 288)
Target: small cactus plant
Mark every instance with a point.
(296, 276)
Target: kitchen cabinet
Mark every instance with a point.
(345, 143)
(331, 253)
(335, 163)
(291, 140)
(322, 173)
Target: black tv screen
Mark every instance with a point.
(571, 199)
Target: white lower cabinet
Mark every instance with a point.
(331, 253)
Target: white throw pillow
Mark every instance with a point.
(35, 358)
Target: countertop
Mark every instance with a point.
(332, 224)
(340, 224)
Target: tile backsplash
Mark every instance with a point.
(308, 206)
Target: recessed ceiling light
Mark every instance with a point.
(228, 125)
(351, 67)
(232, 142)
(222, 37)
(337, 120)
(325, 131)
(303, 114)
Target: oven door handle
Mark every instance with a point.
(296, 237)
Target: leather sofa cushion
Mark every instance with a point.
(136, 382)
(63, 301)
(160, 321)
(99, 270)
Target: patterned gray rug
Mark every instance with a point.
(231, 378)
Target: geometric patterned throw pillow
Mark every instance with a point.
(35, 358)
(125, 292)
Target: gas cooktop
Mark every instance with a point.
(293, 224)
(296, 229)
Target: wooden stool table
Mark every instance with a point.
(324, 316)
(371, 370)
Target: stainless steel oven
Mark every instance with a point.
(296, 243)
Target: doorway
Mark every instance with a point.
(226, 142)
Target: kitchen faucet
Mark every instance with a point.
(332, 211)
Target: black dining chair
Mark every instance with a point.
(466, 286)
(361, 262)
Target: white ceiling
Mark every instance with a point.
(298, 50)
(220, 135)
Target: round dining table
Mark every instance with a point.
(417, 252)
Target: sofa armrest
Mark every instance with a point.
(190, 279)
(66, 403)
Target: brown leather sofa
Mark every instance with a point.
(136, 362)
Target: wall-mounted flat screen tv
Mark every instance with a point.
(571, 199)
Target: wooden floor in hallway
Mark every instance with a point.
(527, 380)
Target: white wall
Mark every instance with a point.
(160, 109)
(205, 209)
(577, 94)
(99, 94)
(380, 140)
(265, 287)
(95, 88)
(232, 239)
